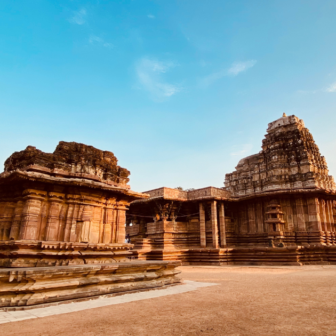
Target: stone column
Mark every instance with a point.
(323, 216)
(15, 229)
(62, 219)
(6, 220)
(243, 219)
(300, 214)
(70, 222)
(44, 220)
(259, 217)
(328, 228)
(53, 222)
(222, 224)
(214, 224)
(290, 215)
(330, 215)
(31, 214)
(121, 220)
(95, 224)
(251, 218)
(202, 225)
(314, 214)
(108, 222)
(86, 217)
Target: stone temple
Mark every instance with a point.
(277, 207)
(62, 228)
(64, 217)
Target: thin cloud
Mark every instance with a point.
(234, 70)
(149, 73)
(78, 17)
(150, 16)
(98, 40)
(208, 80)
(331, 88)
(239, 67)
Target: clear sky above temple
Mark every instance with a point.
(180, 91)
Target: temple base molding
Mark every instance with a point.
(26, 253)
(40, 285)
(272, 256)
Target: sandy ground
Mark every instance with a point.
(246, 301)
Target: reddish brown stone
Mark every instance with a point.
(61, 215)
(279, 198)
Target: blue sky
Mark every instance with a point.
(180, 91)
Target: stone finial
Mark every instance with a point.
(284, 115)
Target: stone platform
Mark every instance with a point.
(290, 256)
(40, 285)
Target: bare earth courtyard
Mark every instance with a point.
(245, 301)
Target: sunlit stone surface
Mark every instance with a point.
(62, 219)
(277, 207)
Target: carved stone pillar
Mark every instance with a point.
(214, 224)
(330, 215)
(69, 221)
(251, 218)
(31, 214)
(15, 229)
(108, 223)
(243, 218)
(222, 227)
(327, 216)
(314, 214)
(202, 225)
(300, 215)
(323, 216)
(53, 222)
(84, 231)
(62, 218)
(259, 217)
(6, 218)
(121, 220)
(95, 224)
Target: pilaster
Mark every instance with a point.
(301, 226)
(53, 222)
(30, 223)
(222, 227)
(314, 214)
(121, 221)
(15, 229)
(202, 225)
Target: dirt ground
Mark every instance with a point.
(246, 301)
